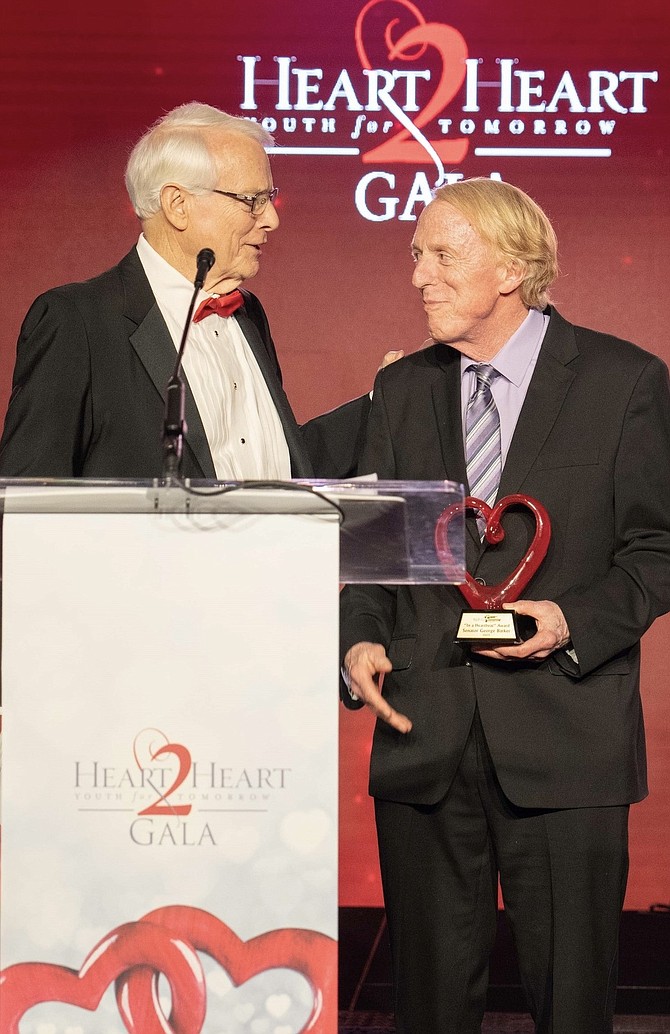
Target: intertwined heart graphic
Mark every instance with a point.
(166, 941)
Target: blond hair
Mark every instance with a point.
(511, 223)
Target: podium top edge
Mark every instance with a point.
(345, 484)
(30, 495)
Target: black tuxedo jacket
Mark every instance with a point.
(93, 361)
(593, 444)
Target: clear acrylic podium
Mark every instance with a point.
(169, 674)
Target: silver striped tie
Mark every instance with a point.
(482, 440)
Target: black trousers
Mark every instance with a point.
(563, 877)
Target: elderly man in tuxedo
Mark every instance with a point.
(94, 359)
(516, 761)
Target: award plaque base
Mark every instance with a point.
(493, 628)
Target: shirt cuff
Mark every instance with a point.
(347, 681)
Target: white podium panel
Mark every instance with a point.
(169, 842)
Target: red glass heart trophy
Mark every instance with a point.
(487, 624)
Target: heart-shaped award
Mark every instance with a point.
(487, 624)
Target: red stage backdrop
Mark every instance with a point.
(369, 104)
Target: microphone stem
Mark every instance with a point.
(174, 424)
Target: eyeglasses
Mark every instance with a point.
(256, 202)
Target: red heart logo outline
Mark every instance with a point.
(311, 954)
(137, 947)
(492, 597)
(453, 50)
(388, 39)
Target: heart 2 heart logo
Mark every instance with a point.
(479, 102)
(166, 941)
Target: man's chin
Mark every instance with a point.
(250, 268)
(438, 330)
(227, 282)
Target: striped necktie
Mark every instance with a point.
(482, 440)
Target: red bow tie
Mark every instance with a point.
(224, 305)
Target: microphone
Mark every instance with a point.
(205, 261)
(174, 424)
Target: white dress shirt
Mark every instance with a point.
(244, 432)
(514, 363)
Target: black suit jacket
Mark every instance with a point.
(593, 444)
(93, 361)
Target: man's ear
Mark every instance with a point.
(174, 205)
(512, 274)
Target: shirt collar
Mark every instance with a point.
(172, 290)
(516, 355)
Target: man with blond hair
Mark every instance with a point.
(514, 762)
(94, 359)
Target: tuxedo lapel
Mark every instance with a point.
(300, 464)
(155, 349)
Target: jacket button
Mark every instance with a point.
(480, 581)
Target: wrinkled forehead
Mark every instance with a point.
(443, 223)
(240, 156)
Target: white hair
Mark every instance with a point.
(175, 149)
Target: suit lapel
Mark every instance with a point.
(300, 464)
(447, 406)
(546, 394)
(549, 385)
(155, 349)
(446, 393)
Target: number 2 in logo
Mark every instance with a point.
(162, 804)
(409, 144)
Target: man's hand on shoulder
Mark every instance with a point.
(391, 357)
(363, 665)
(552, 633)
